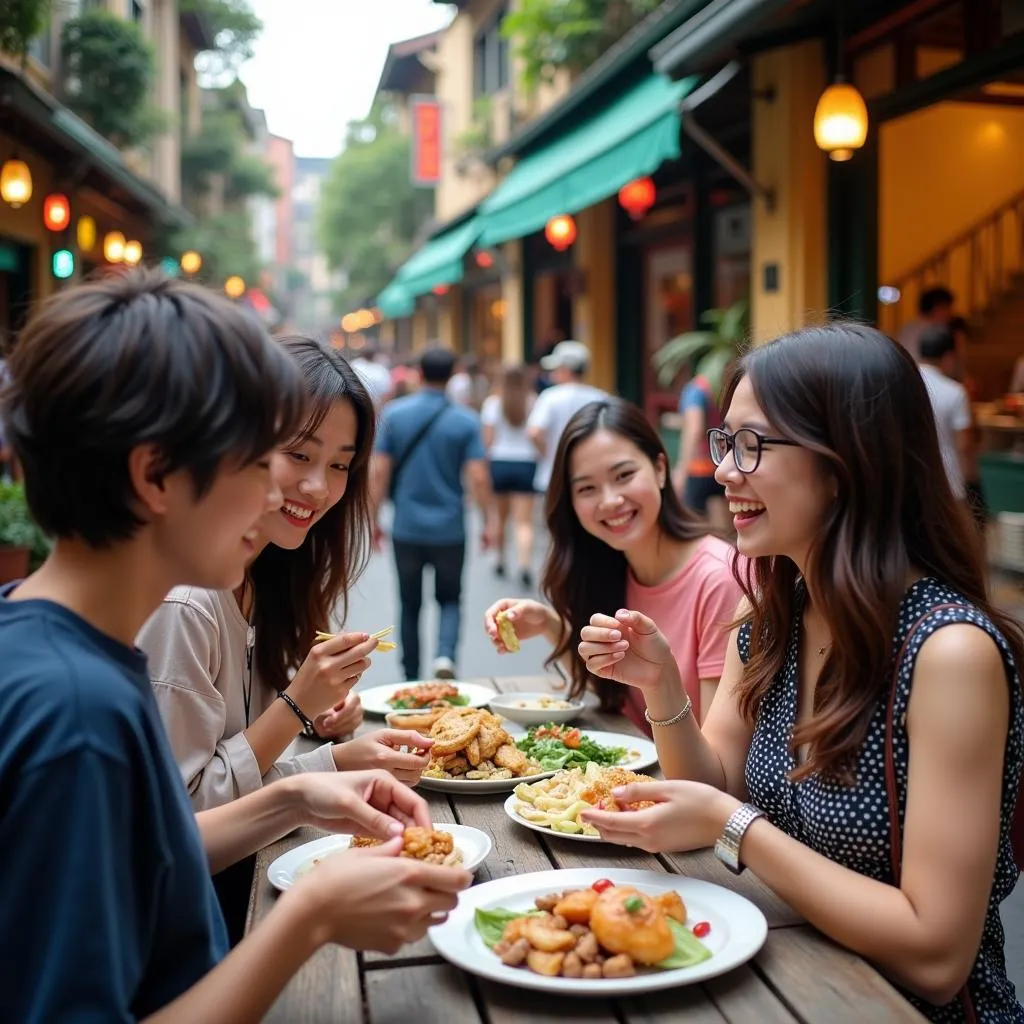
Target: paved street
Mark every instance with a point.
(375, 604)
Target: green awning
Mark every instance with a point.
(439, 261)
(627, 139)
(395, 302)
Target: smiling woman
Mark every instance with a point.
(621, 538)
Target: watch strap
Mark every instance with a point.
(727, 849)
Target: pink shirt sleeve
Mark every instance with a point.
(716, 608)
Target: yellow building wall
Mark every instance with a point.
(513, 335)
(791, 235)
(594, 309)
(941, 170)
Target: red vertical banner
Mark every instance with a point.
(426, 141)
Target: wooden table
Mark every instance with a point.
(799, 975)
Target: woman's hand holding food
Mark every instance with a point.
(383, 749)
(342, 720)
(374, 899)
(366, 803)
(685, 816)
(330, 671)
(528, 618)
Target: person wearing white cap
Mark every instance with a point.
(555, 406)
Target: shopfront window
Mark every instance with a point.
(669, 313)
(490, 57)
(486, 317)
(731, 240)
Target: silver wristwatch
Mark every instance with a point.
(727, 849)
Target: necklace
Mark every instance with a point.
(250, 643)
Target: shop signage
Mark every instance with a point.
(426, 141)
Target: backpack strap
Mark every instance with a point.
(895, 833)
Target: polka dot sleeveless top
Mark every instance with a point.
(850, 825)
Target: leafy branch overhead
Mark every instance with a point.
(20, 22)
(705, 353)
(552, 35)
(109, 70)
(369, 212)
(234, 28)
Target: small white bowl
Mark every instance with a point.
(526, 708)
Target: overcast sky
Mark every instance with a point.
(318, 62)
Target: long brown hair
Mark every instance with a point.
(296, 591)
(856, 399)
(515, 394)
(583, 575)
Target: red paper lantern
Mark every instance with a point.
(56, 211)
(636, 197)
(560, 232)
(484, 260)
(440, 289)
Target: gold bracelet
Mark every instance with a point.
(675, 719)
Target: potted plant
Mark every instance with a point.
(705, 353)
(23, 546)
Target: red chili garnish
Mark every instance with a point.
(701, 928)
(603, 883)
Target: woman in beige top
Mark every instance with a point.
(222, 662)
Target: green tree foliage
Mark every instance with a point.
(549, 35)
(109, 70)
(20, 22)
(369, 211)
(235, 29)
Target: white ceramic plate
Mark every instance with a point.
(508, 706)
(642, 753)
(738, 929)
(375, 699)
(578, 837)
(473, 844)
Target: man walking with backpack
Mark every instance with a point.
(426, 446)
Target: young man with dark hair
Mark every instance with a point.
(142, 410)
(425, 446)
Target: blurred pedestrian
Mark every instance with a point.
(934, 307)
(694, 475)
(567, 366)
(513, 460)
(372, 371)
(426, 446)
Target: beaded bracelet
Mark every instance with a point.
(307, 725)
(675, 719)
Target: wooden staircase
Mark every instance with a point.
(984, 267)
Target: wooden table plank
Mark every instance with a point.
(743, 997)
(819, 980)
(703, 864)
(327, 989)
(411, 995)
(516, 850)
(507, 1005)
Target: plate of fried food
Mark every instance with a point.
(450, 845)
(554, 804)
(474, 753)
(579, 933)
(424, 697)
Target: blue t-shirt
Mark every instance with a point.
(428, 494)
(108, 911)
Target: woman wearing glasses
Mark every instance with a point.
(621, 538)
(864, 750)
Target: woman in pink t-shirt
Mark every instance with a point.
(620, 538)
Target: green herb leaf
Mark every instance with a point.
(490, 924)
(634, 904)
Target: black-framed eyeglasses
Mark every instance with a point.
(746, 446)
